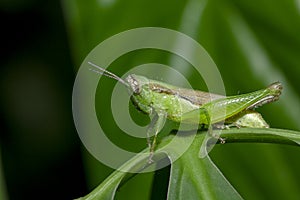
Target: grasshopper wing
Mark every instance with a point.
(197, 97)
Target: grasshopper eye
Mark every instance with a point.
(133, 84)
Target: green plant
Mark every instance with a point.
(253, 44)
(190, 176)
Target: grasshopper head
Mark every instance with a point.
(136, 82)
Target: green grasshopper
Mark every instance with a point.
(164, 101)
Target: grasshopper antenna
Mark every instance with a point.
(107, 73)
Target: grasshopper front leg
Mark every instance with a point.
(157, 123)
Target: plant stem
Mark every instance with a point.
(255, 135)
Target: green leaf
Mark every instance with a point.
(190, 176)
(195, 178)
(107, 189)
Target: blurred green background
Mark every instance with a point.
(43, 44)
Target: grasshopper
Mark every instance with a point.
(164, 101)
